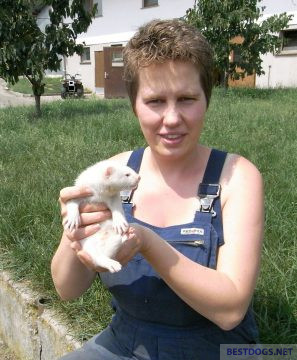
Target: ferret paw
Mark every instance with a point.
(71, 222)
(115, 266)
(109, 264)
(120, 227)
(124, 238)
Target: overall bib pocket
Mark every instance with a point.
(195, 243)
(198, 243)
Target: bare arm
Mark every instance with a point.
(71, 277)
(221, 295)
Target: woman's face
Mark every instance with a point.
(170, 105)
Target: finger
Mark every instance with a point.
(87, 208)
(90, 218)
(128, 250)
(82, 232)
(94, 217)
(92, 207)
(63, 209)
(75, 245)
(73, 192)
(85, 259)
(88, 262)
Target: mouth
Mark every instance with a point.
(172, 138)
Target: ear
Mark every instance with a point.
(109, 170)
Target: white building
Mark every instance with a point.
(115, 23)
(281, 69)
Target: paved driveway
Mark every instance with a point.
(9, 98)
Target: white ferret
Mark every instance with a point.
(106, 179)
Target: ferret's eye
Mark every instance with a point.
(127, 175)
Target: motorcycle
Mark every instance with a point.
(72, 87)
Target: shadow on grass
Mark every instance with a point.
(58, 110)
(64, 109)
(275, 318)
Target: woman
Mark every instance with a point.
(187, 281)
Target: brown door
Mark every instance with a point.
(99, 69)
(114, 86)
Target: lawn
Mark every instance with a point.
(40, 156)
(52, 86)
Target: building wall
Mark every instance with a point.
(124, 16)
(119, 22)
(280, 69)
(113, 28)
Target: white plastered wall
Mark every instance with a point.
(119, 22)
(280, 69)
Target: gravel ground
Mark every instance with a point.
(5, 353)
(9, 98)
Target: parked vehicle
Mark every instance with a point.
(72, 86)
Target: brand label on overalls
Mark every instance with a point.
(192, 231)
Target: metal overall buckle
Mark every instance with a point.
(126, 196)
(207, 194)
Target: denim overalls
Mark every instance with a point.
(151, 322)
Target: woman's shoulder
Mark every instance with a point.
(122, 158)
(237, 166)
(240, 175)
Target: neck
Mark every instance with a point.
(176, 167)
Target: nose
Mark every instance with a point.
(171, 115)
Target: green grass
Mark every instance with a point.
(40, 156)
(52, 86)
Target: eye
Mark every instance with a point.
(128, 174)
(155, 101)
(186, 99)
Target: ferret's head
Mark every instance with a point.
(120, 177)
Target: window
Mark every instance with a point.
(86, 56)
(88, 5)
(289, 40)
(149, 3)
(117, 58)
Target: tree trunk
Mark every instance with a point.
(226, 80)
(38, 90)
(37, 105)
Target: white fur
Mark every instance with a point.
(106, 179)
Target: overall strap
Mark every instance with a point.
(214, 167)
(134, 163)
(209, 190)
(135, 159)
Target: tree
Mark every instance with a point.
(25, 50)
(220, 21)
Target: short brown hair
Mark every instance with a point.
(162, 40)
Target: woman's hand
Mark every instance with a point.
(90, 215)
(126, 252)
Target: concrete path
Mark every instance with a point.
(10, 98)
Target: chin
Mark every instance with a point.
(171, 152)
